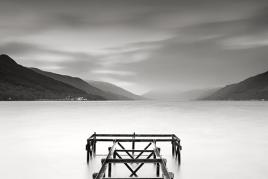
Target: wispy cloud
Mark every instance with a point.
(139, 44)
(113, 72)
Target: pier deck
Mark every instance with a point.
(133, 155)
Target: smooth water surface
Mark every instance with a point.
(221, 140)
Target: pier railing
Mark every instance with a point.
(115, 154)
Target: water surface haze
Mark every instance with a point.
(220, 140)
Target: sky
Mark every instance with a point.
(140, 45)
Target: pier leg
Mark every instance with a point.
(109, 169)
(179, 154)
(133, 144)
(155, 158)
(88, 150)
(157, 169)
(176, 150)
(87, 157)
(179, 157)
(114, 154)
(94, 175)
(94, 143)
(172, 145)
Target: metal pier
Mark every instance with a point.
(133, 155)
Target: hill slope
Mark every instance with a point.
(81, 84)
(108, 87)
(253, 88)
(21, 83)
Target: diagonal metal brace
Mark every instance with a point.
(144, 150)
(125, 150)
(135, 171)
(126, 165)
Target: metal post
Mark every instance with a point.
(109, 169)
(179, 153)
(133, 144)
(87, 149)
(94, 143)
(114, 154)
(172, 145)
(157, 169)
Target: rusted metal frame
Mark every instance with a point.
(175, 137)
(91, 144)
(135, 140)
(162, 163)
(121, 159)
(143, 150)
(176, 147)
(125, 150)
(132, 178)
(137, 169)
(136, 150)
(94, 143)
(89, 149)
(136, 135)
(104, 164)
(127, 160)
(133, 144)
(92, 136)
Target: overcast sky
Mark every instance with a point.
(140, 45)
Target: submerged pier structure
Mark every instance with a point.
(119, 153)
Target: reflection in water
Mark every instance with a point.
(219, 139)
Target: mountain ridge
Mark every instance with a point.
(252, 88)
(83, 85)
(21, 83)
(109, 87)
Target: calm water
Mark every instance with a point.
(46, 140)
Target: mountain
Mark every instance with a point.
(82, 85)
(108, 87)
(180, 95)
(20, 83)
(253, 88)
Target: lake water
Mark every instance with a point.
(220, 140)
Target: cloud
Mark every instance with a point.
(126, 84)
(246, 42)
(75, 63)
(198, 61)
(113, 72)
(154, 44)
(17, 48)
